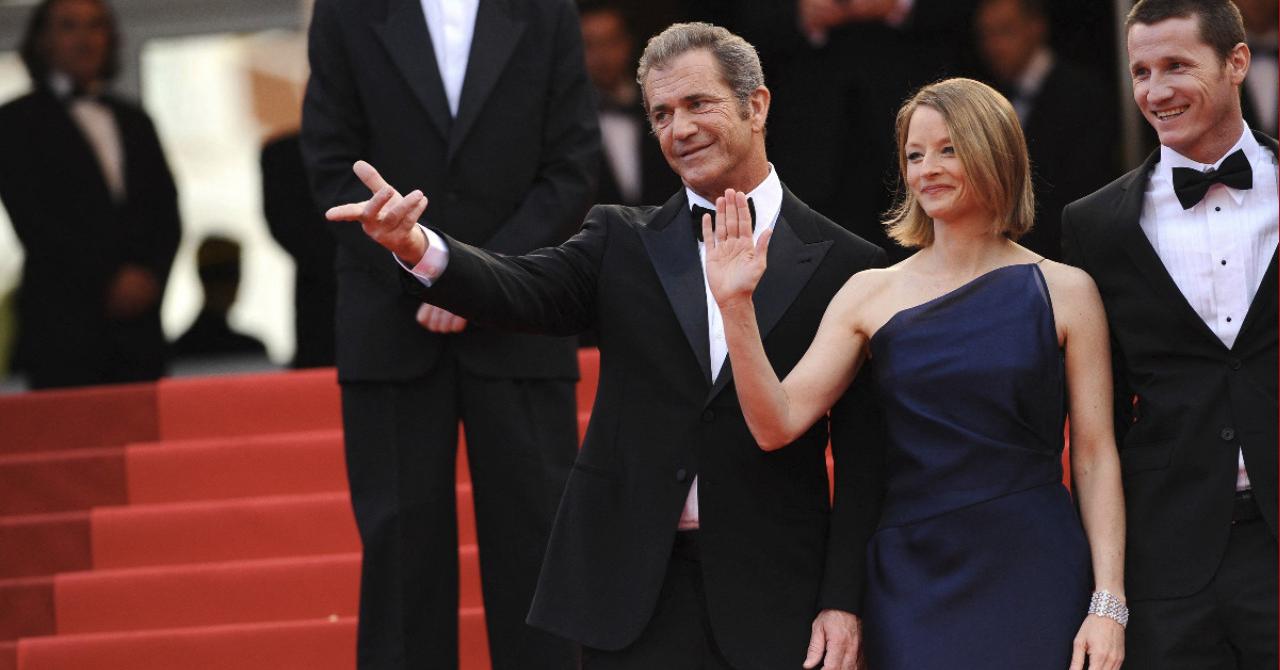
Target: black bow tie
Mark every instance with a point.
(699, 210)
(1192, 185)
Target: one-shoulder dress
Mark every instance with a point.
(980, 560)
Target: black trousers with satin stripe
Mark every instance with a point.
(679, 636)
(1229, 625)
(401, 445)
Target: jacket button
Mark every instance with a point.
(1234, 364)
(1228, 434)
(681, 475)
(708, 416)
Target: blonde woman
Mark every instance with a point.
(975, 345)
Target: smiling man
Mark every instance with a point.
(678, 543)
(1184, 253)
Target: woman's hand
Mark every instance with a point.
(1101, 640)
(735, 262)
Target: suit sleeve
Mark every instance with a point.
(1122, 392)
(549, 291)
(334, 129)
(552, 209)
(858, 444)
(154, 226)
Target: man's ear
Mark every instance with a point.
(1238, 63)
(759, 104)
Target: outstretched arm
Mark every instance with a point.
(776, 411)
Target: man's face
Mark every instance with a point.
(705, 134)
(77, 39)
(607, 49)
(1185, 90)
(1008, 37)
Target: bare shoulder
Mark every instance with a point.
(1068, 284)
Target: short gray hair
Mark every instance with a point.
(739, 62)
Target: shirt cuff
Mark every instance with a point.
(433, 262)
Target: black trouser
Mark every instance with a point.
(679, 636)
(1228, 625)
(401, 445)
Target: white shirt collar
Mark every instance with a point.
(1170, 159)
(1037, 71)
(767, 198)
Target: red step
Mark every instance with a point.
(42, 544)
(239, 405)
(238, 529)
(236, 467)
(26, 608)
(207, 594)
(325, 644)
(61, 481)
(78, 418)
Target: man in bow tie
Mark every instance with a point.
(96, 263)
(678, 543)
(1184, 253)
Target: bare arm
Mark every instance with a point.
(776, 411)
(1095, 465)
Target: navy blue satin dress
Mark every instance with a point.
(980, 560)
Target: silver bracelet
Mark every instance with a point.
(1106, 604)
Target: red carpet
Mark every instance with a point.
(195, 524)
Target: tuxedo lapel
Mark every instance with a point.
(791, 263)
(1138, 247)
(407, 40)
(673, 250)
(497, 32)
(1265, 296)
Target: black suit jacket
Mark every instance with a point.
(774, 548)
(1197, 402)
(76, 238)
(1072, 148)
(511, 173)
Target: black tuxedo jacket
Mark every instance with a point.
(1197, 402)
(511, 173)
(774, 548)
(76, 237)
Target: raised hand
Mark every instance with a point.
(387, 217)
(735, 262)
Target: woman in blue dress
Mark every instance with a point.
(977, 347)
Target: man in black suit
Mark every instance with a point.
(1184, 253)
(487, 103)
(97, 261)
(1072, 146)
(679, 543)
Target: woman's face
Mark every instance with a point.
(935, 174)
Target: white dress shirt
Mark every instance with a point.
(98, 125)
(767, 198)
(452, 24)
(1217, 251)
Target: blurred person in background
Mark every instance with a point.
(298, 226)
(1072, 145)
(93, 203)
(1260, 86)
(633, 171)
(218, 266)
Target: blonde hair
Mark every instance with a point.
(988, 140)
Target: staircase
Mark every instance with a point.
(198, 523)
